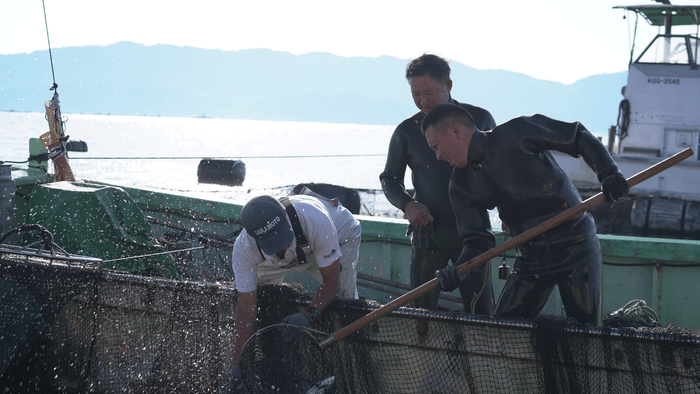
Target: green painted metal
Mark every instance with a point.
(153, 199)
(36, 167)
(662, 272)
(385, 253)
(655, 14)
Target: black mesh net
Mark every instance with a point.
(73, 328)
(272, 364)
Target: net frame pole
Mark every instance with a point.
(502, 248)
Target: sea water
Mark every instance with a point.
(164, 153)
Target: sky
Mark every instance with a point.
(555, 40)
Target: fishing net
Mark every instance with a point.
(272, 364)
(74, 327)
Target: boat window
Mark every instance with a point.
(667, 49)
(694, 46)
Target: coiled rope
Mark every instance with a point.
(637, 311)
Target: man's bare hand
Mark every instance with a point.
(417, 213)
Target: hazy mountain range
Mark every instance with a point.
(163, 80)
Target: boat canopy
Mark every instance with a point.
(655, 14)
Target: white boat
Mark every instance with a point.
(659, 116)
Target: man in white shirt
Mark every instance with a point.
(269, 248)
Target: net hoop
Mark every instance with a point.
(269, 364)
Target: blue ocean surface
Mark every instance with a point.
(164, 153)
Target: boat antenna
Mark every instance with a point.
(55, 85)
(55, 139)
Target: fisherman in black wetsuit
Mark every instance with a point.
(432, 226)
(511, 168)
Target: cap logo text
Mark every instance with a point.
(269, 226)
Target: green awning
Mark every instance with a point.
(655, 14)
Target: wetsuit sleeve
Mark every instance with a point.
(395, 171)
(473, 223)
(570, 138)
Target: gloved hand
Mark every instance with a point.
(231, 380)
(291, 334)
(449, 278)
(614, 186)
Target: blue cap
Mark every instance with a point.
(264, 218)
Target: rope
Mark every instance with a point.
(637, 311)
(623, 119)
(46, 22)
(13, 162)
(153, 254)
(223, 157)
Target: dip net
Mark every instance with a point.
(70, 326)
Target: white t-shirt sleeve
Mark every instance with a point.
(246, 260)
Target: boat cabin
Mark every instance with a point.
(660, 113)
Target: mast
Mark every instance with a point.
(55, 139)
(668, 24)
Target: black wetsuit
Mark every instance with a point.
(511, 168)
(435, 244)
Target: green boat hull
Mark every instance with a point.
(662, 272)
